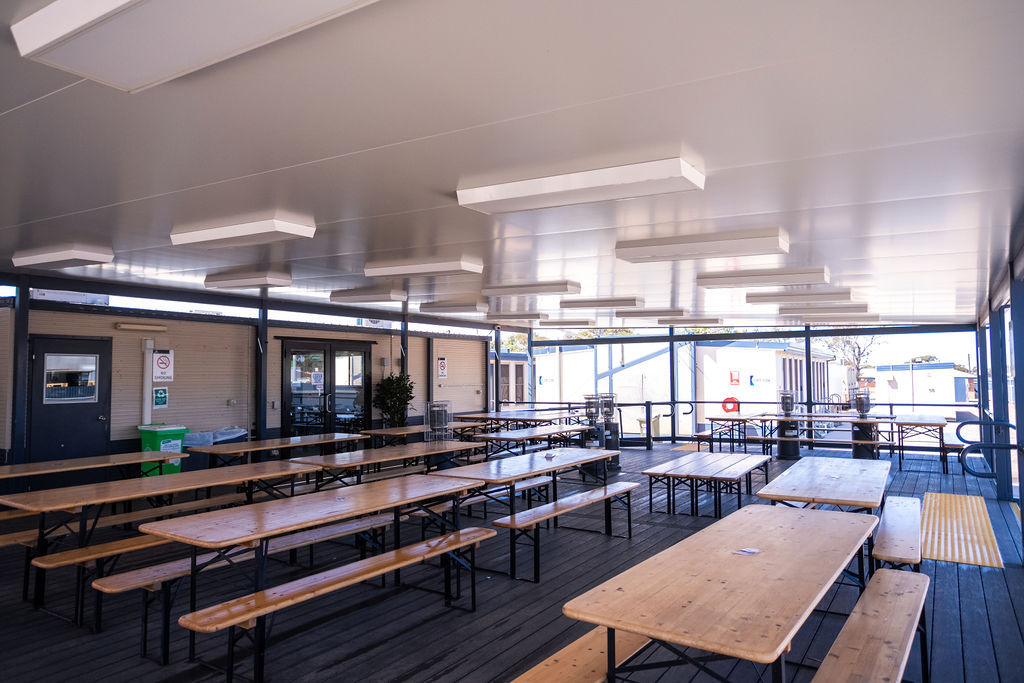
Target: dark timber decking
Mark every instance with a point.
(369, 633)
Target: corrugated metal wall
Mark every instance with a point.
(465, 386)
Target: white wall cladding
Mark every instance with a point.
(465, 385)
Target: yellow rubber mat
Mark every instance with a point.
(687, 447)
(1016, 511)
(958, 529)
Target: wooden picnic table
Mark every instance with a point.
(718, 472)
(507, 441)
(507, 471)
(909, 426)
(391, 435)
(227, 452)
(357, 460)
(249, 527)
(733, 426)
(120, 460)
(741, 587)
(859, 484)
(509, 419)
(78, 501)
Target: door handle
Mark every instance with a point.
(102, 418)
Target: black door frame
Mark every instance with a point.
(329, 348)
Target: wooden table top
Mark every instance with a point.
(71, 464)
(711, 465)
(529, 433)
(509, 415)
(272, 444)
(920, 421)
(240, 525)
(73, 497)
(414, 429)
(831, 481)
(703, 593)
(515, 467)
(386, 454)
(734, 418)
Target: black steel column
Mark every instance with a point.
(981, 389)
(531, 388)
(1000, 400)
(809, 379)
(431, 364)
(497, 368)
(405, 338)
(1017, 344)
(262, 341)
(672, 381)
(19, 374)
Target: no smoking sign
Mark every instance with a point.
(163, 366)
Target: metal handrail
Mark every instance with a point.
(978, 446)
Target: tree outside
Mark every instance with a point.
(853, 351)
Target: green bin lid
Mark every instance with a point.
(164, 428)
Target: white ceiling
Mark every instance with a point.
(886, 138)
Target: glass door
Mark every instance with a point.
(326, 387)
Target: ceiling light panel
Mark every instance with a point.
(522, 315)
(690, 322)
(823, 310)
(566, 323)
(63, 256)
(246, 233)
(531, 288)
(603, 302)
(603, 184)
(248, 279)
(136, 44)
(841, 318)
(809, 296)
(454, 307)
(423, 266)
(706, 245)
(769, 277)
(368, 295)
(652, 313)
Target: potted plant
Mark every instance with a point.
(392, 396)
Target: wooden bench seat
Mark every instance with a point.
(98, 551)
(898, 537)
(876, 639)
(585, 660)
(522, 486)
(161, 577)
(526, 523)
(15, 514)
(245, 611)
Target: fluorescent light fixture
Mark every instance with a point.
(246, 233)
(769, 277)
(651, 313)
(800, 296)
(248, 279)
(454, 306)
(532, 288)
(690, 322)
(841, 318)
(63, 256)
(367, 295)
(566, 323)
(140, 327)
(423, 266)
(522, 315)
(603, 302)
(705, 245)
(823, 310)
(603, 184)
(136, 44)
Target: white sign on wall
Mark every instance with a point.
(442, 368)
(163, 366)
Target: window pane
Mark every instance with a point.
(70, 379)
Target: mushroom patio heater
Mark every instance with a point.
(865, 432)
(788, 450)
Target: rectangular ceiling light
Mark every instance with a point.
(132, 45)
(248, 232)
(652, 313)
(690, 322)
(248, 279)
(517, 316)
(706, 245)
(368, 295)
(801, 296)
(841, 318)
(63, 256)
(454, 307)
(823, 310)
(769, 277)
(532, 288)
(566, 323)
(423, 266)
(603, 302)
(603, 184)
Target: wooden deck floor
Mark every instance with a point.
(369, 633)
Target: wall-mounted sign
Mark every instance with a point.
(163, 366)
(442, 368)
(160, 396)
(734, 377)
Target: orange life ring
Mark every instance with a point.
(731, 405)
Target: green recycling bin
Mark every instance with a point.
(163, 438)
